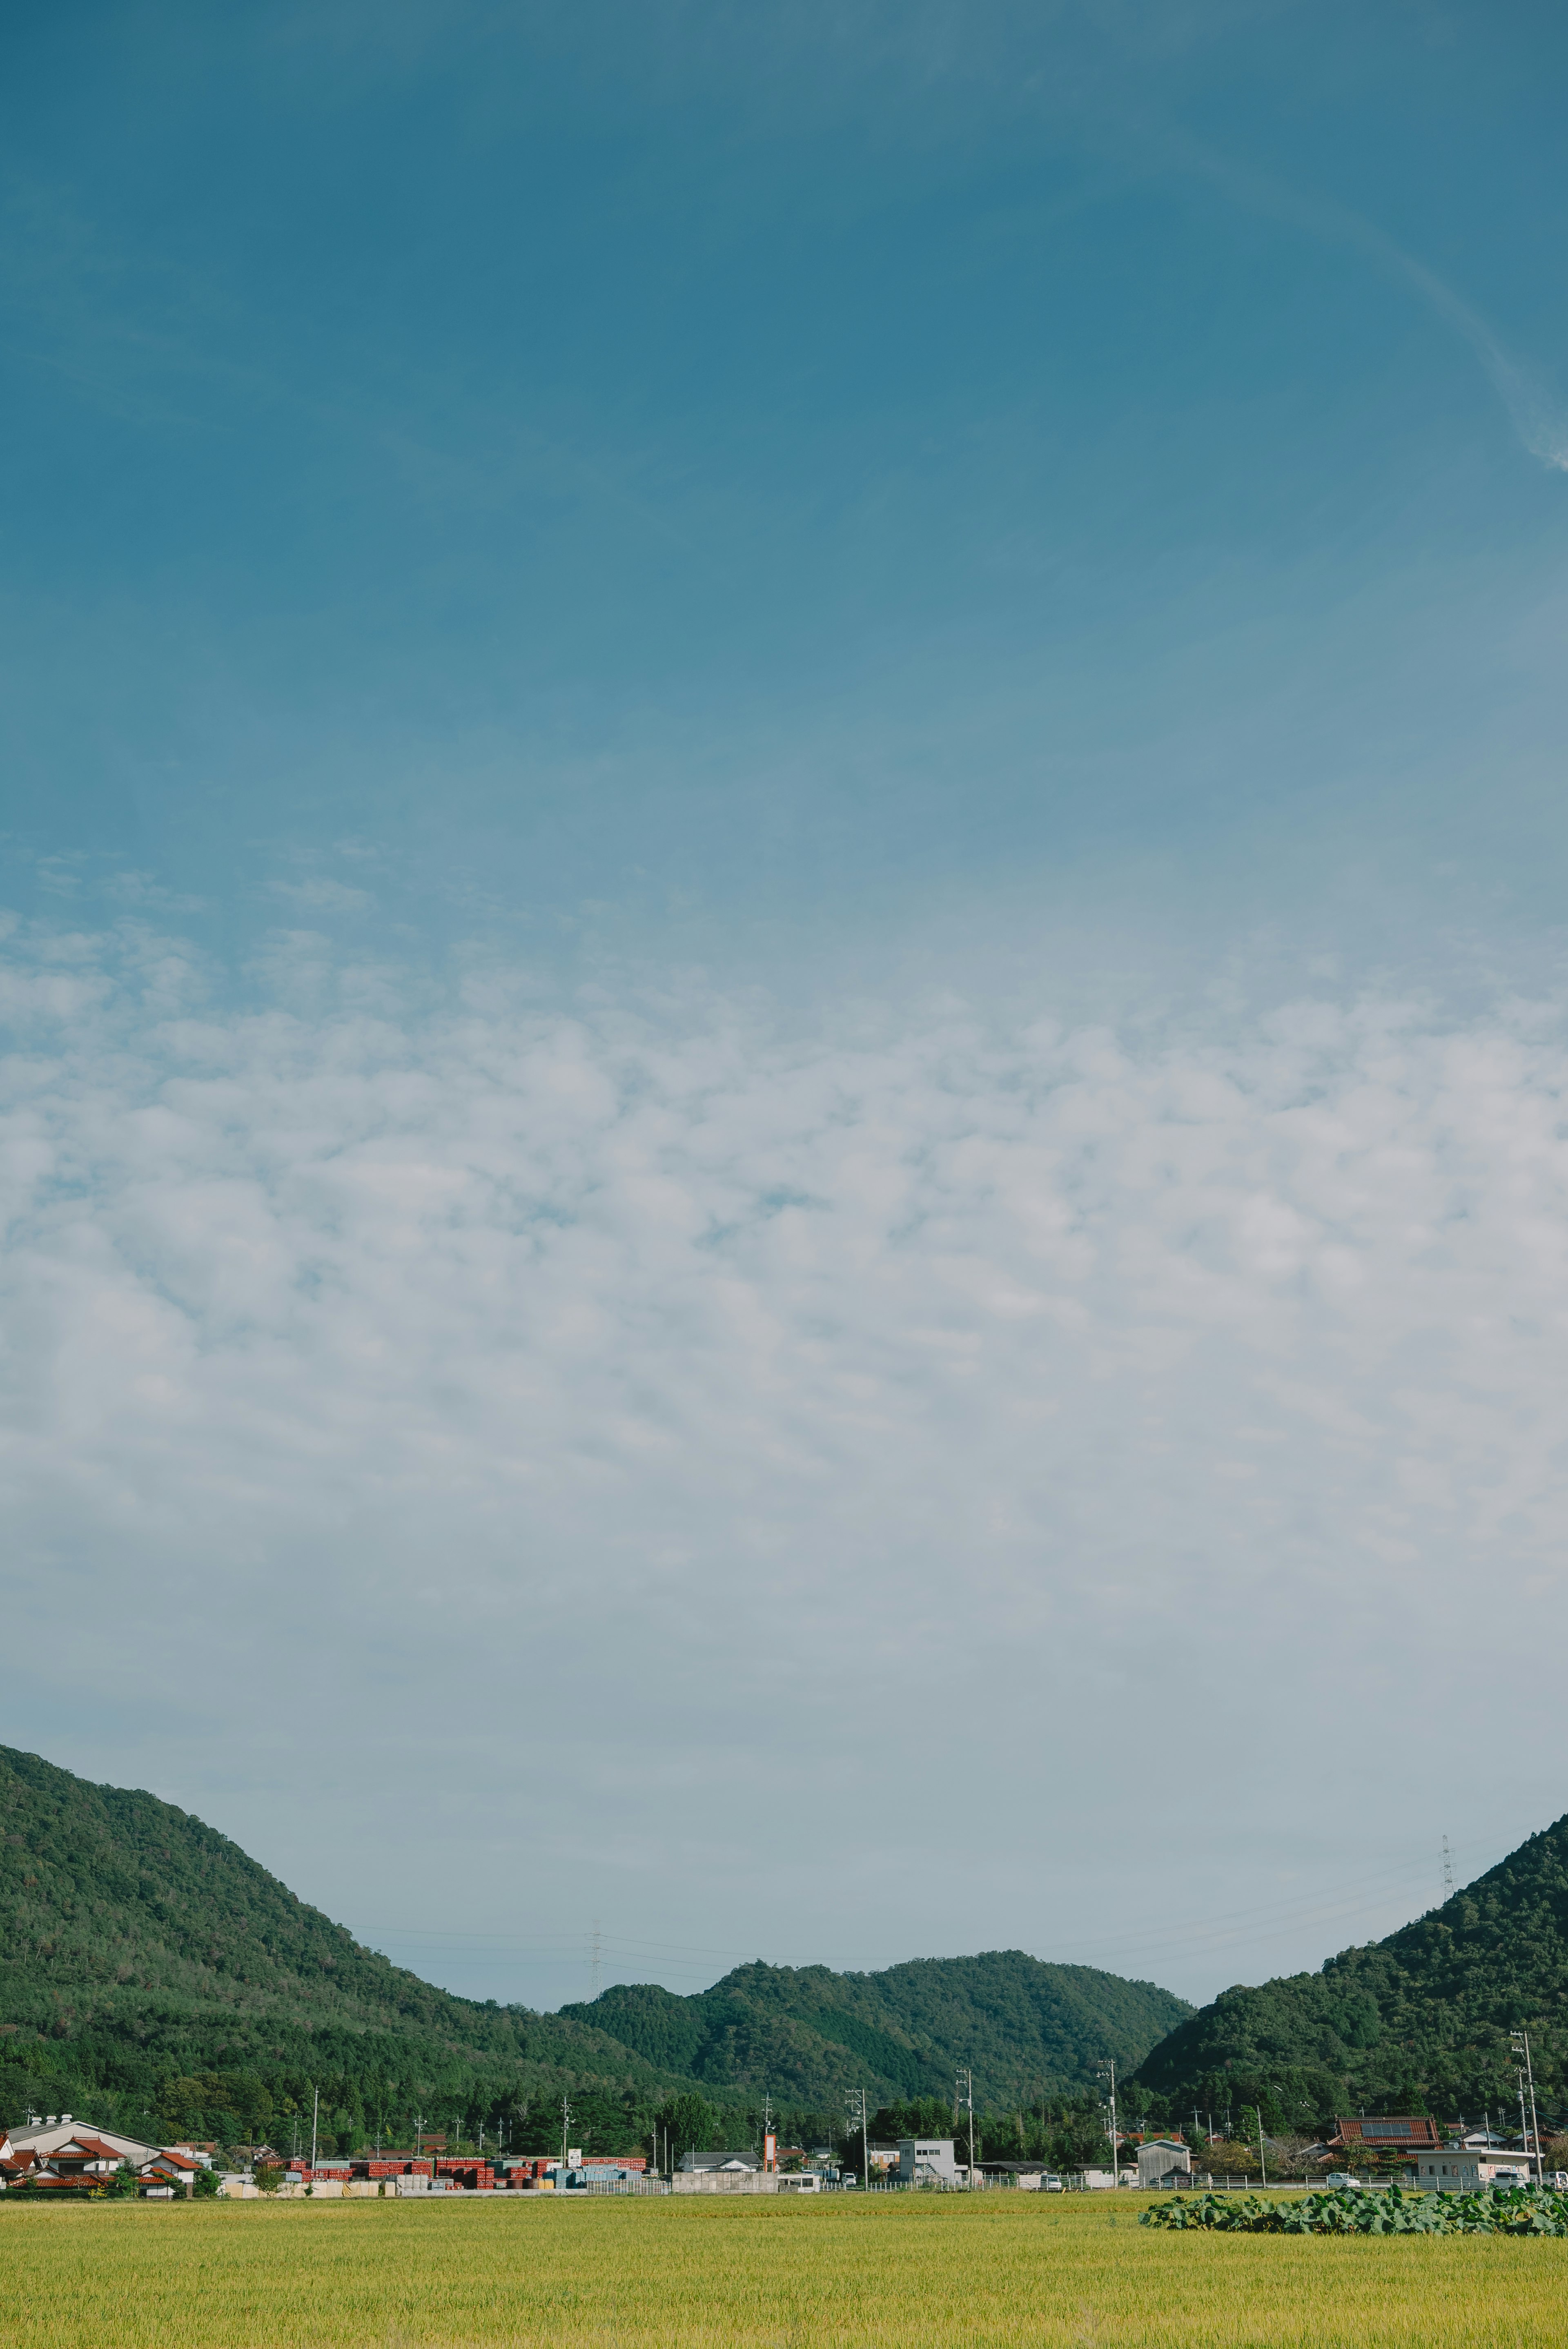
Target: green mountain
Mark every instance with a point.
(1419, 2020)
(806, 2033)
(149, 1967)
(155, 1976)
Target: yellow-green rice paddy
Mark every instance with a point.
(744, 2273)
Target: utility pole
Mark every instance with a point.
(1527, 2078)
(314, 2116)
(565, 2125)
(963, 2097)
(856, 2098)
(1262, 2159)
(1107, 2072)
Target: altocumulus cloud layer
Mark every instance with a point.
(610, 1398)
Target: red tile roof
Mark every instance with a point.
(1398, 2131)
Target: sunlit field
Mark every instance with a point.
(909, 2269)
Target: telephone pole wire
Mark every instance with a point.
(856, 2098)
(1527, 2081)
(1108, 2071)
(963, 2097)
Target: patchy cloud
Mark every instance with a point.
(657, 1383)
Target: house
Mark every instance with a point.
(1449, 2169)
(1469, 2170)
(43, 2138)
(1164, 2161)
(927, 2161)
(65, 2154)
(1408, 2133)
(1027, 2175)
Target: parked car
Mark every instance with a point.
(1050, 2183)
(1341, 2177)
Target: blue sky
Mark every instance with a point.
(782, 816)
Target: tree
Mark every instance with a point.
(690, 2122)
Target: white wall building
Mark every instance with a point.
(927, 2161)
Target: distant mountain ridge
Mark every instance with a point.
(149, 1967)
(1424, 2016)
(126, 1924)
(1025, 2027)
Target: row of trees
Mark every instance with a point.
(365, 2099)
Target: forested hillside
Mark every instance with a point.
(1026, 2029)
(150, 1969)
(1420, 2020)
(153, 1974)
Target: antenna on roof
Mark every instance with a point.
(1448, 1871)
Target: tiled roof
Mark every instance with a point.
(1396, 2130)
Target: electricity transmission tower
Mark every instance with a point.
(1448, 1871)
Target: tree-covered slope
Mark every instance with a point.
(808, 2034)
(138, 1942)
(152, 1973)
(1425, 2014)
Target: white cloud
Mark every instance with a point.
(652, 1382)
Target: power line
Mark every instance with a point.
(1107, 2072)
(1260, 1921)
(856, 2100)
(963, 2100)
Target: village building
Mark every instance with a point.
(1471, 2169)
(1373, 2133)
(64, 2155)
(1164, 2161)
(927, 2161)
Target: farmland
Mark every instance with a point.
(727, 2274)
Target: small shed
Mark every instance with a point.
(1164, 2161)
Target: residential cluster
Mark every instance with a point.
(1444, 2158)
(67, 2156)
(61, 2154)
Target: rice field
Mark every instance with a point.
(714, 2274)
